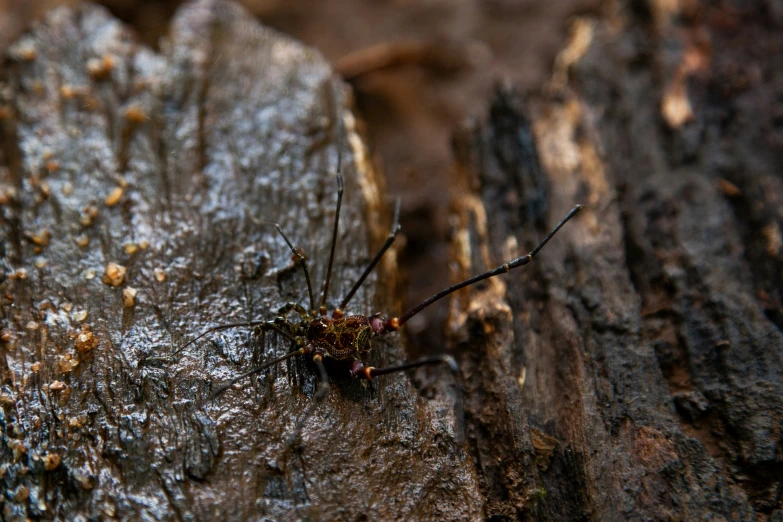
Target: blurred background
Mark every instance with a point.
(419, 69)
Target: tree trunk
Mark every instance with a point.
(638, 361)
(632, 371)
(231, 128)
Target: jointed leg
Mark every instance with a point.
(302, 261)
(289, 307)
(265, 325)
(340, 135)
(320, 394)
(394, 323)
(389, 240)
(359, 370)
(223, 387)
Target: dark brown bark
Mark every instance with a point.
(646, 339)
(229, 129)
(632, 372)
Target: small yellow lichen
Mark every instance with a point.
(41, 238)
(68, 92)
(114, 197)
(129, 297)
(45, 189)
(101, 68)
(7, 192)
(89, 213)
(114, 274)
(135, 114)
(77, 422)
(160, 275)
(64, 365)
(51, 461)
(85, 340)
(22, 493)
(52, 166)
(57, 386)
(27, 53)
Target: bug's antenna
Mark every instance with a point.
(300, 256)
(389, 240)
(337, 212)
(395, 323)
(223, 387)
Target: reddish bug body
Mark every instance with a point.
(347, 339)
(341, 338)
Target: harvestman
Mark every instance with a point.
(346, 339)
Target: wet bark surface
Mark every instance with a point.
(641, 355)
(632, 372)
(173, 165)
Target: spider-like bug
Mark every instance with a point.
(347, 339)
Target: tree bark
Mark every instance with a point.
(638, 361)
(173, 165)
(631, 372)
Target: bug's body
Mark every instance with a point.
(343, 339)
(346, 339)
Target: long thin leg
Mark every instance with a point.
(223, 387)
(322, 308)
(320, 395)
(369, 372)
(389, 240)
(263, 323)
(394, 323)
(300, 256)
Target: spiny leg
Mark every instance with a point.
(359, 370)
(367, 271)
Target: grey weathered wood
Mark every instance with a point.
(238, 131)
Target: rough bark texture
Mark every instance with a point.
(230, 128)
(645, 344)
(632, 372)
